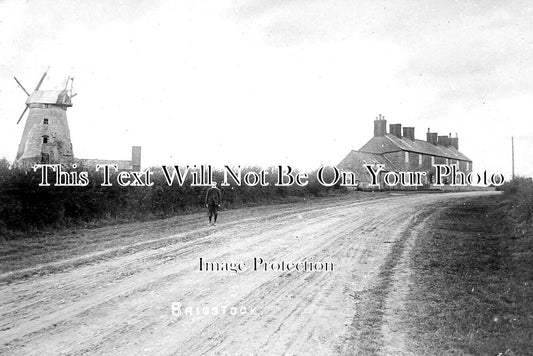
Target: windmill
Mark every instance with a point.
(46, 136)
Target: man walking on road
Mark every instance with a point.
(212, 202)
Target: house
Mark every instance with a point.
(399, 151)
(122, 165)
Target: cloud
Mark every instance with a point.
(474, 56)
(297, 22)
(148, 72)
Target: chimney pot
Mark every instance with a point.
(431, 137)
(380, 126)
(455, 142)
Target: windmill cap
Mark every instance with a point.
(56, 97)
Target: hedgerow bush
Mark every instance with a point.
(27, 207)
(519, 193)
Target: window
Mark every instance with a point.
(45, 139)
(45, 121)
(447, 162)
(432, 160)
(419, 159)
(406, 157)
(467, 166)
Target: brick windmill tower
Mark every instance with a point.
(46, 136)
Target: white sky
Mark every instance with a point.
(265, 82)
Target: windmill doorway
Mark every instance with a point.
(45, 158)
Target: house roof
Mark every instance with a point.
(92, 162)
(392, 143)
(355, 161)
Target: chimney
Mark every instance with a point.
(136, 158)
(431, 137)
(443, 140)
(380, 126)
(396, 130)
(455, 141)
(409, 132)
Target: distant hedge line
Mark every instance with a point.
(26, 207)
(519, 193)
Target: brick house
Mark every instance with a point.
(399, 151)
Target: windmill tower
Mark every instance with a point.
(46, 136)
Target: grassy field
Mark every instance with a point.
(472, 283)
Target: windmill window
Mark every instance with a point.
(406, 157)
(45, 121)
(45, 139)
(419, 159)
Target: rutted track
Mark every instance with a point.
(118, 301)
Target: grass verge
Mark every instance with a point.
(472, 289)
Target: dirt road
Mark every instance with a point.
(119, 300)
